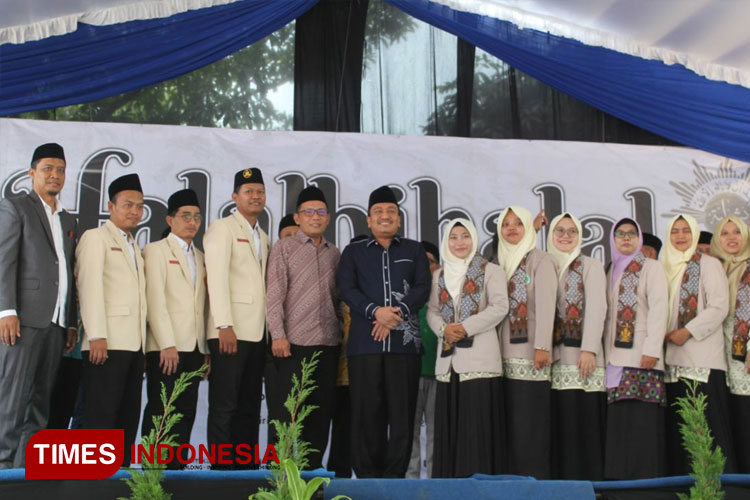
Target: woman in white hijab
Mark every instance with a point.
(698, 305)
(731, 244)
(467, 302)
(578, 392)
(526, 335)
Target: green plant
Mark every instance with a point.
(707, 460)
(292, 451)
(146, 484)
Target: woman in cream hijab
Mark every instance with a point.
(730, 245)
(698, 305)
(526, 335)
(467, 302)
(578, 370)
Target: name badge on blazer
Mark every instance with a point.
(116, 249)
(243, 240)
(174, 262)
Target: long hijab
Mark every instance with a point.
(620, 261)
(734, 265)
(508, 254)
(564, 259)
(675, 261)
(454, 268)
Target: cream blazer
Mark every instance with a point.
(705, 349)
(650, 318)
(542, 297)
(176, 308)
(484, 354)
(594, 313)
(111, 291)
(236, 278)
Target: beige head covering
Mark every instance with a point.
(454, 268)
(564, 258)
(510, 256)
(734, 265)
(675, 261)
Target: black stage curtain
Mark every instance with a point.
(328, 46)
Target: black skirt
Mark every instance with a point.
(636, 442)
(718, 415)
(741, 427)
(528, 421)
(579, 419)
(469, 427)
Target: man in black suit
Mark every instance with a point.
(37, 301)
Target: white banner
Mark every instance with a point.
(437, 178)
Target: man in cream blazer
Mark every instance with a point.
(236, 255)
(112, 296)
(176, 295)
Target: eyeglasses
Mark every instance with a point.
(187, 216)
(626, 234)
(311, 211)
(561, 232)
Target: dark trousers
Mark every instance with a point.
(234, 394)
(315, 428)
(383, 391)
(113, 394)
(27, 374)
(65, 393)
(340, 454)
(186, 404)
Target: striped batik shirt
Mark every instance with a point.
(301, 297)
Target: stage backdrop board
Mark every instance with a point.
(437, 178)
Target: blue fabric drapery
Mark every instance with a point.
(95, 62)
(668, 100)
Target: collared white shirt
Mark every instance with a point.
(189, 252)
(53, 217)
(255, 231)
(131, 246)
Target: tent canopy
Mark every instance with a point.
(680, 68)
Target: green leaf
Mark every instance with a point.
(313, 485)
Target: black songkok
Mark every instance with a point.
(311, 193)
(130, 182)
(286, 221)
(182, 198)
(383, 194)
(705, 238)
(49, 150)
(431, 248)
(247, 176)
(652, 241)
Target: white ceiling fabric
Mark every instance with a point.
(28, 20)
(710, 37)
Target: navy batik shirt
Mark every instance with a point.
(370, 276)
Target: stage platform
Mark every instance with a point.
(231, 485)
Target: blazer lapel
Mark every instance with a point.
(114, 232)
(37, 203)
(200, 270)
(180, 256)
(245, 228)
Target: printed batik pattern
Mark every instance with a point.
(518, 301)
(627, 302)
(689, 289)
(639, 384)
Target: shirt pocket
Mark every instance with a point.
(28, 284)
